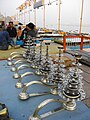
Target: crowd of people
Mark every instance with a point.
(11, 35)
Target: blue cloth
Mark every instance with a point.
(4, 35)
(19, 42)
(4, 40)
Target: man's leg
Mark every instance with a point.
(11, 43)
(14, 40)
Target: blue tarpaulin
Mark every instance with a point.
(21, 110)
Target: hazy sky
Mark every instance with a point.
(8, 7)
(70, 13)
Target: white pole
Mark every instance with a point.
(59, 2)
(44, 16)
(81, 17)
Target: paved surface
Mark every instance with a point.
(85, 56)
(86, 81)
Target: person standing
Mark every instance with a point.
(12, 32)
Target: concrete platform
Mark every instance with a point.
(85, 56)
(21, 110)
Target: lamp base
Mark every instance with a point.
(23, 96)
(70, 106)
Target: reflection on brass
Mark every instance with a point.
(23, 95)
(26, 74)
(39, 73)
(35, 115)
(45, 79)
(10, 59)
(16, 76)
(19, 84)
(16, 53)
(4, 114)
(16, 56)
(78, 56)
(54, 91)
(13, 53)
(34, 66)
(13, 69)
(71, 105)
(16, 69)
(20, 61)
(3, 111)
(11, 63)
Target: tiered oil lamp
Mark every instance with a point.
(73, 89)
(59, 71)
(38, 72)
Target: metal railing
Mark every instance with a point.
(76, 42)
